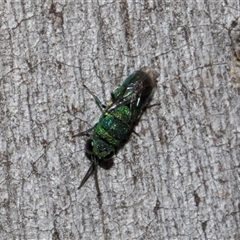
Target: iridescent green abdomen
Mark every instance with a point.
(113, 126)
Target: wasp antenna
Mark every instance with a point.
(96, 179)
(88, 174)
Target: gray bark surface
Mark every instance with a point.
(179, 179)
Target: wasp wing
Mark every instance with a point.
(135, 92)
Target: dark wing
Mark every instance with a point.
(135, 92)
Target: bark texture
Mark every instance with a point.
(179, 179)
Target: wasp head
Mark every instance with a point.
(98, 148)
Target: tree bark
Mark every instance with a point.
(178, 178)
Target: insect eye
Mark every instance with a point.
(89, 146)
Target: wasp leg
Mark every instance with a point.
(88, 174)
(84, 133)
(153, 105)
(136, 133)
(98, 102)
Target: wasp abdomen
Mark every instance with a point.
(114, 127)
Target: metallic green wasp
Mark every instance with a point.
(118, 118)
